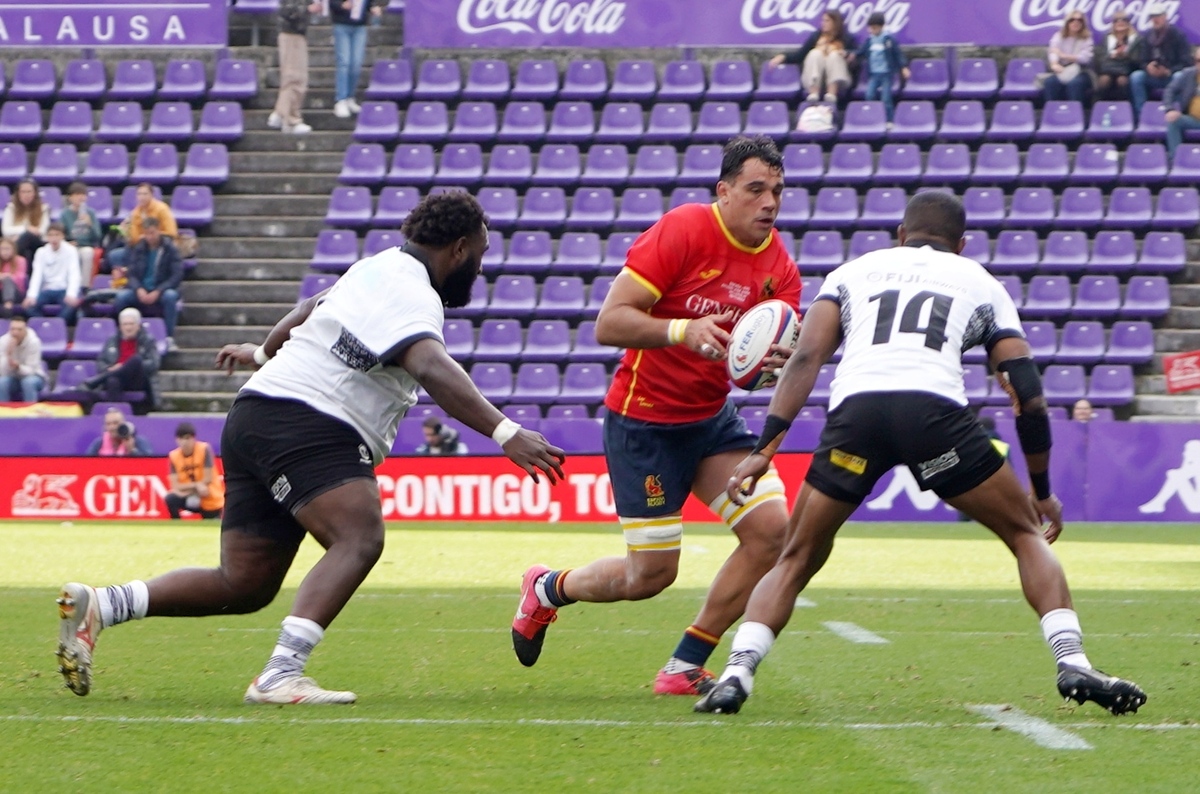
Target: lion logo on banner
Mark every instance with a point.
(45, 495)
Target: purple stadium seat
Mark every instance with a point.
(558, 165)
(584, 383)
(1021, 78)
(670, 122)
(768, 118)
(572, 122)
(585, 80)
(1049, 297)
(536, 81)
(524, 122)
(1111, 384)
(683, 81)
(596, 295)
(107, 164)
(500, 203)
(1146, 297)
(69, 380)
(701, 165)
(363, 164)
(579, 253)
(494, 381)
(1098, 297)
(615, 248)
(978, 246)
(689, 195)
(863, 121)
(33, 78)
(975, 381)
(809, 286)
(1031, 208)
(412, 164)
(1131, 342)
(522, 413)
(795, 209)
(13, 168)
(1145, 164)
(53, 333)
(850, 164)
(568, 411)
(915, 121)
(133, 80)
(930, 79)
(1061, 121)
(192, 206)
(120, 121)
(100, 201)
(1110, 121)
(513, 296)
(620, 122)
(985, 207)
(717, 122)
(1082, 342)
(654, 165)
(821, 251)
(380, 121)
(56, 163)
(543, 208)
(170, 122)
(1046, 164)
(883, 208)
(585, 348)
(83, 79)
(426, 122)
(780, 82)
(129, 200)
(156, 163)
(349, 206)
(1128, 207)
(996, 164)
(529, 252)
(90, 335)
(474, 122)
(865, 241)
(509, 164)
(382, 239)
(1152, 124)
(536, 384)
(1095, 164)
(975, 78)
(235, 80)
(183, 80)
(394, 205)
(731, 81)
(820, 392)
(1162, 252)
(1080, 208)
(641, 207)
(593, 208)
(220, 122)
(206, 164)
(1063, 384)
(962, 120)
(478, 304)
(949, 164)
(1185, 168)
(20, 121)
(1177, 208)
(1012, 120)
(1016, 252)
(461, 164)
(804, 163)
(499, 340)
(336, 250)
(459, 336)
(391, 81)
(1065, 253)
(562, 298)
(633, 81)
(488, 79)
(547, 341)
(1043, 340)
(579, 436)
(314, 284)
(51, 196)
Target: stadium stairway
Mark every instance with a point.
(1179, 332)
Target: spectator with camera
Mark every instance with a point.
(119, 438)
(194, 484)
(153, 278)
(440, 439)
(129, 361)
(22, 372)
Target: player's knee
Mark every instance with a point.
(367, 546)
(249, 593)
(643, 584)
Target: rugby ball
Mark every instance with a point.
(769, 323)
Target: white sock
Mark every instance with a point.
(751, 644)
(677, 665)
(1061, 629)
(122, 602)
(295, 644)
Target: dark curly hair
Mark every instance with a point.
(440, 219)
(745, 147)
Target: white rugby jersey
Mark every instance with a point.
(907, 316)
(340, 360)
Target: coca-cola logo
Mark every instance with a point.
(804, 16)
(594, 17)
(1027, 15)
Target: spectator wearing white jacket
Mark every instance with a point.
(55, 276)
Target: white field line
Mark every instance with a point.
(805, 603)
(880, 640)
(1041, 732)
(829, 597)
(854, 633)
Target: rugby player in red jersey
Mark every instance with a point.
(670, 429)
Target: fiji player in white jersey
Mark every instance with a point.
(301, 442)
(906, 314)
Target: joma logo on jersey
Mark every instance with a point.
(655, 496)
(707, 274)
(930, 468)
(851, 463)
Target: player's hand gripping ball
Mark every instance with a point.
(769, 323)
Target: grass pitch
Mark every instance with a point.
(444, 705)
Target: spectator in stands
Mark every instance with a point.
(350, 19)
(22, 372)
(1115, 63)
(119, 438)
(1181, 101)
(154, 274)
(14, 273)
(147, 207)
(881, 52)
(824, 58)
(128, 361)
(26, 219)
(293, 66)
(1070, 58)
(1157, 55)
(82, 230)
(194, 484)
(55, 277)
(440, 439)
(1082, 411)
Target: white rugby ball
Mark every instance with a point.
(769, 323)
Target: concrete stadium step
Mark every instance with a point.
(267, 226)
(197, 402)
(248, 270)
(239, 291)
(1180, 407)
(242, 162)
(247, 205)
(1184, 317)
(332, 138)
(256, 247)
(236, 314)
(318, 113)
(283, 183)
(1185, 294)
(214, 337)
(196, 358)
(208, 380)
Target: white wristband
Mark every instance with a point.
(505, 431)
(676, 330)
(260, 355)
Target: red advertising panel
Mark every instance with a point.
(1182, 371)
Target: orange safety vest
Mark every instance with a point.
(192, 470)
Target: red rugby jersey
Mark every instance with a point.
(695, 267)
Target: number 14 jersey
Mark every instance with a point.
(907, 315)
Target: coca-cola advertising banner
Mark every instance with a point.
(114, 23)
(751, 23)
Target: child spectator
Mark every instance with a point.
(14, 272)
(82, 230)
(884, 60)
(55, 277)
